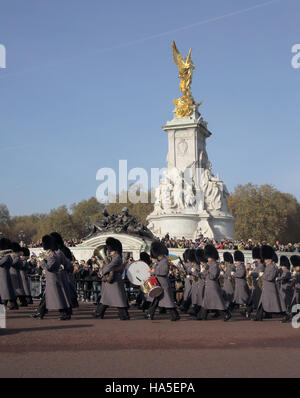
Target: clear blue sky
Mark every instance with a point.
(90, 82)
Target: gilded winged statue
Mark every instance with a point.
(185, 104)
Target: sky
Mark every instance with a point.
(90, 82)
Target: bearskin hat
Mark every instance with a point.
(211, 252)
(5, 244)
(158, 249)
(267, 252)
(200, 256)
(256, 253)
(185, 254)
(48, 242)
(227, 257)
(275, 258)
(25, 251)
(58, 239)
(239, 256)
(113, 244)
(190, 256)
(145, 257)
(285, 262)
(15, 247)
(295, 260)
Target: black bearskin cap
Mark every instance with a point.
(145, 257)
(15, 247)
(26, 251)
(267, 252)
(48, 242)
(190, 256)
(158, 249)
(58, 239)
(295, 260)
(285, 262)
(185, 254)
(256, 253)
(114, 244)
(200, 256)
(211, 252)
(5, 244)
(275, 258)
(239, 256)
(228, 257)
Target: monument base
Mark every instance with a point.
(192, 225)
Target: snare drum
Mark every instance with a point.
(152, 287)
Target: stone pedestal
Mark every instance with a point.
(190, 200)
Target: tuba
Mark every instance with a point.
(102, 258)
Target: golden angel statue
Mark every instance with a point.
(185, 104)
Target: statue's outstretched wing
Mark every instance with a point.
(178, 58)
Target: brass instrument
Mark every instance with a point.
(102, 257)
(260, 282)
(5, 252)
(42, 256)
(249, 281)
(221, 278)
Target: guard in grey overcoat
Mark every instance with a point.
(241, 290)
(228, 287)
(284, 282)
(295, 261)
(213, 295)
(158, 253)
(15, 274)
(68, 269)
(7, 292)
(113, 293)
(270, 300)
(24, 276)
(198, 280)
(256, 278)
(187, 292)
(55, 294)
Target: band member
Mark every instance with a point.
(187, 292)
(241, 290)
(270, 300)
(199, 282)
(255, 277)
(228, 287)
(15, 273)
(295, 260)
(113, 291)
(145, 299)
(284, 282)
(68, 269)
(194, 269)
(213, 295)
(23, 272)
(7, 293)
(55, 295)
(158, 254)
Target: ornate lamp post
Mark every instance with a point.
(22, 238)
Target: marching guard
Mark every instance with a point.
(256, 281)
(113, 291)
(7, 293)
(56, 297)
(229, 282)
(295, 260)
(213, 296)
(198, 281)
(158, 254)
(270, 299)
(284, 282)
(15, 274)
(187, 292)
(241, 290)
(23, 272)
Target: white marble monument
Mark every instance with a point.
(189, 200)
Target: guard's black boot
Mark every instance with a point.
(162, 310)
(64, 315)
(259, 314)
(286, 319)
(37, 315)
(227, 315)
(185, 305)
(216, 315)
(145, 305)
(29, 300)
(123, 314)
(268, 315)
(202, 314)
(174, 315)
(194, 311)
(23, 301)
(100, 311)
(13, 306)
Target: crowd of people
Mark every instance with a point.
(68, 243)
(225, 244)
(200, 284)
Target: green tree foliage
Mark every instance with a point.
(84, 214)
(265, 214)
(4, 220)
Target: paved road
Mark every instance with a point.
(85, 347)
